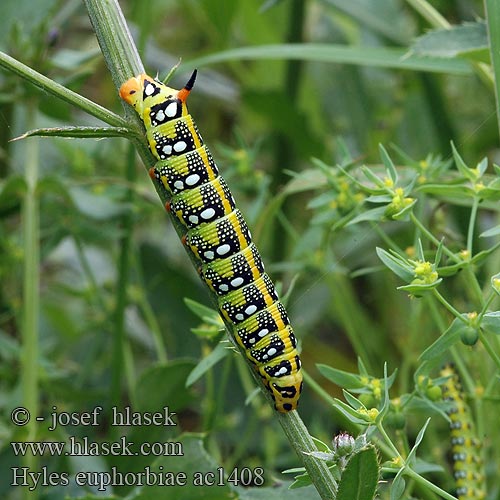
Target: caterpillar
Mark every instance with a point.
(465, 446)
(217, 235)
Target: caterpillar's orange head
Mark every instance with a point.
(144, 93)
(131, 91)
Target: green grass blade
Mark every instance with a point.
(363, 56)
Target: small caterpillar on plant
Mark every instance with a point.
(218, 235)
(465, 446)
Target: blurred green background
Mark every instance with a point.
(264, 119)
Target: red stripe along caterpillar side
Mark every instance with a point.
(218, 235)
(465, 446)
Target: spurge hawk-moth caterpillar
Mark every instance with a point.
(218, 235)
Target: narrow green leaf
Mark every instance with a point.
(469, 40)
(205, 313)
(439, 254)
(420, 288)
(494, 231)
(405, 213)
(398, 487)
(329, 53)
(482, 167)
(389, 165)
(377, 181)
(423, 467)
(351, 414)
(380, 198)
(396, 264)
(491, 322)
(352, 400)
(412, 455)
(375, 214)
(457, 190)
(343, 379)
(362, 368)
(450, 337)
(360, 477)
(321, 455)
(467, 172)
(220, 352)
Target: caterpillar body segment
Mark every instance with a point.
(468, 468)
(218, 235)
(210, 241)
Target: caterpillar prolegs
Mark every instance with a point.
(218, 235)
(467, 462)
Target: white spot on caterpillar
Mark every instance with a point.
(263, 332)
(209, 255)
(193, 219)
(149, 89)
(271, 352)
(251, 309)
(171, 109)
(180, 146)
(207, 214)
(192, 179)
(223, 249)
(160, 116)
(223, 287)
(240, 317)
(282, 371)
(167, 149)
(178, 185)
(237, 282)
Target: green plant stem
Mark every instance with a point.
(31, 290)
(429, 13)
(389, 443)
(298, 435)
(432, 238)
(427, 484)
(448, 306)
(390, 243)
(472, 286)
(119, 339)
(489, 349)
(50, 86)
(472, 224)
(123, 62)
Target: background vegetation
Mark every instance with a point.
(99, 304)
